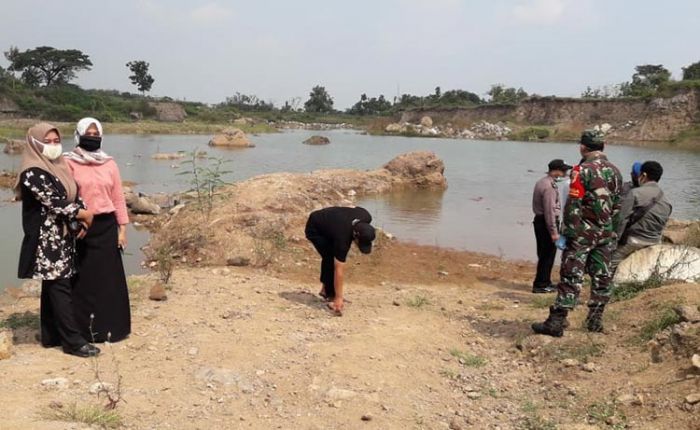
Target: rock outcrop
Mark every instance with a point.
(231, 138)
(5, 344)
(666, 262)
(13, 146)
(317, 140)
(275, 206)
(169, 112)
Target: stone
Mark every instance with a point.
(243, 121)
(366, 417)
(570, 362)
(158, 293)
(317, 140)
(176, 209)
(426, 121)
(5, 344)
(238, 261)
(393, 128)
(168, 156)
(142, 205)
(168, 111)
(231, 138)
(423, 169)
(692, 398)
(226, 377)
(688, 313)
(589, 367)
(626, 399)
(335, 394)
(13, 146)
(101, 387)
(676, 262)
(696, 360)
(55, 383)
(31, 288)
(455, 425)
(136, 116)
(193, 351)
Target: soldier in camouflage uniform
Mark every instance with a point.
(590, 223)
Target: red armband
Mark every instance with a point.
(576, 189)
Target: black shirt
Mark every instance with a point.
(335, 224)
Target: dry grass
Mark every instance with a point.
(92, 415)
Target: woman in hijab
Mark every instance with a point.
(52, 217)
(100, 295)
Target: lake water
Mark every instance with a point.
(486, 208)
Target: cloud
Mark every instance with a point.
(540, 11)
(210, 13)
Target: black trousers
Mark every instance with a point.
(58, 326)
(546, 253)
(325, 249)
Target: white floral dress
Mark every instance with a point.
(55, 251)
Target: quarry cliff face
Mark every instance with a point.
(659, 119)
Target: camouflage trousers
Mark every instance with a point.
(591, 255)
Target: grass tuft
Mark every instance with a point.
(93, 415)
(15, 321)
(418, 301)
(467, 359)
(665, 317)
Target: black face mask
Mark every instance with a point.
(90, 143)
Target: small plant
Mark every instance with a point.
(665, 317)
(165, 263)
(449, 373)
(467, 359)
(114, 396)
(205, 178)
(607, 412)
(541, 302)
(418, 301)
(581, 351)
(533, 421)
(92, 415)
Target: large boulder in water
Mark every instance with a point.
(420, 168)
(231, 138)
(317, 140)
(13, 146)
(668, 262)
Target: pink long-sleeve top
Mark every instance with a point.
(101, 188)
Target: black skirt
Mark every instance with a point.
(100, 287)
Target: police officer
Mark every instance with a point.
(547, 209)
(332, 231)
(590, 221)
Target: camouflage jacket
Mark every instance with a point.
(593, 206)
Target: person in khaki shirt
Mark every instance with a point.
(547, 209)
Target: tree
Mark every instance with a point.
(319, 101)
(140, 76)
(500, 94)
(46, 65)
(370, 106)
(692, 72)
(245, 102)
(646, 81)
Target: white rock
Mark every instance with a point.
(101, 387)
(570, 362)
(692, 398)
(193, 351)
(5, 344)
(676, 262)
(339, 394)
(696, 360)
(55, 383)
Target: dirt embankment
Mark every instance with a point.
(632, 120)
(255, 218)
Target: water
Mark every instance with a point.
(486, 208)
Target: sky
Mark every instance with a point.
(206, 50)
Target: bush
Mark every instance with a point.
(532, 133)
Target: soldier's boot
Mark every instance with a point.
(555, 323)
(594, 320)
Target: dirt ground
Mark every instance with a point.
(432, 339)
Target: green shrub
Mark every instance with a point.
(532, 133)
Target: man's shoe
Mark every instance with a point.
(594, 320)
(544, 290)
(554, 325)
(86, 350)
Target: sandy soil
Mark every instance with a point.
(440, 340)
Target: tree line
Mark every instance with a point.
(48, 67)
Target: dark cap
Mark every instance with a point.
(364, 233)
(558, 164)
(593, 140)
